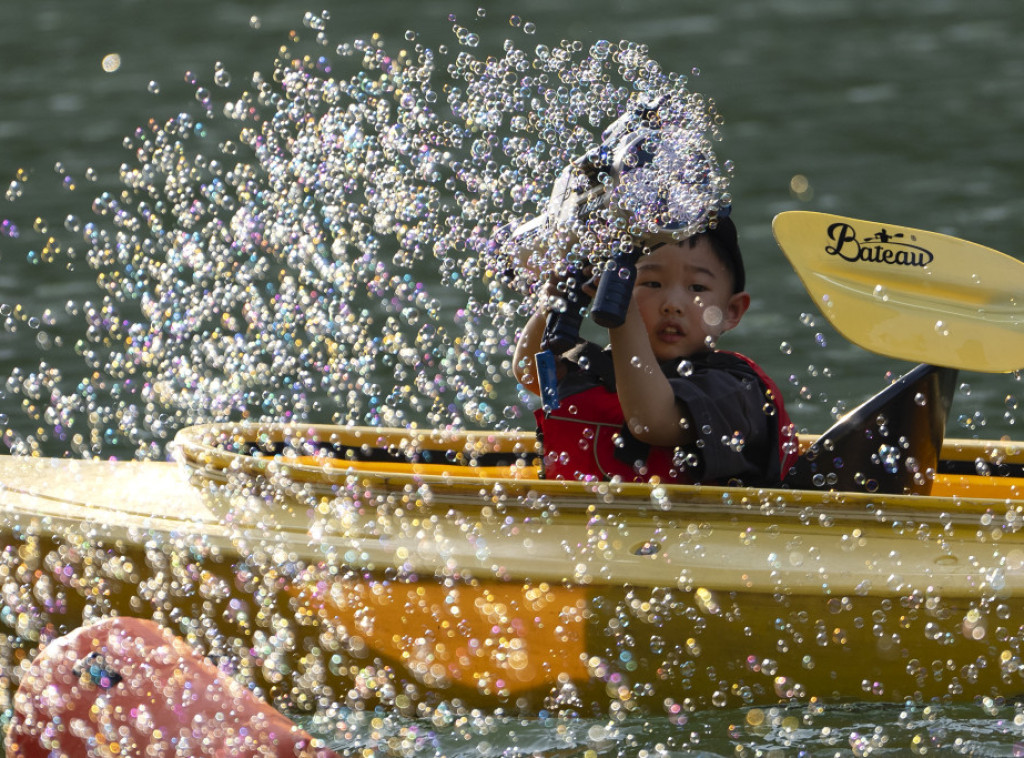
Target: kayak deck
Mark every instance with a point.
(966, 468)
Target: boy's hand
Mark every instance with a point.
(566, 300)
(555, 290)
(557, 284)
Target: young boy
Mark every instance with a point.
(661, 402)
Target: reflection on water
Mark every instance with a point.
(809, 731)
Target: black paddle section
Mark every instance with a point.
(890, 444)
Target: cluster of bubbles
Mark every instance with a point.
(320, 245)
(682, 187)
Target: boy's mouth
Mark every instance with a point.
(671, 331)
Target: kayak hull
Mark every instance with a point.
(376, 581)
(467, 581)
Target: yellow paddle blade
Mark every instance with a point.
(910, 294)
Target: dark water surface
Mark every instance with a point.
(898, 112)
(907, 112)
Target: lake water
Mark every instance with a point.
(908, 113)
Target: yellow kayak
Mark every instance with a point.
(316, 563)
(473, 581)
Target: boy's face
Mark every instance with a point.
(685, 298)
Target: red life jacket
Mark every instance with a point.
(581, 438)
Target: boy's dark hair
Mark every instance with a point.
(725, 243)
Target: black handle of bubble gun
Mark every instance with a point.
(615, 289)
(562, 329)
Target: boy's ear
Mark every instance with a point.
(737, 306)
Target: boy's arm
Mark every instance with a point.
(524, 366)
(653, 414)
(551, 297)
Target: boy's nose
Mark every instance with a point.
(670, 306)
(675, 302)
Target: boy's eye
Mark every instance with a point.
(649, 283)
